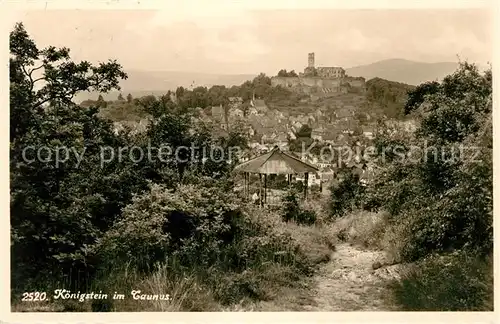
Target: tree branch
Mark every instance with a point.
(29, 76)
(37, 68)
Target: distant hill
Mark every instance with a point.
(141, 83)
(404, 71)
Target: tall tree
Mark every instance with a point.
(62, 79)
(58, 207)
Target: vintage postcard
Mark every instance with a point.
(226, 157)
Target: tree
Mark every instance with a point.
(129, 98)
(217, 95)
(120, 97)
(62, 79)
(443, 202)
(282, 73)
(261, 85)
(346, 194)
(59, 209)
(416, 96)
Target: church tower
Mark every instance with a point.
(310, 60)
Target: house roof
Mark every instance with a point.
(342, 113)
(217, 110)
(330, 136)
(276, 162)
(259, 103)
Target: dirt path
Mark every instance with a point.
(348, 282)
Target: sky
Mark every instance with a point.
(241, 41)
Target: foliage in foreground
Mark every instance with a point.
(436, 185)
(80, 217)
(442, 201)
(292, 211)
(203, 232)
(346, 194)
(457, 282)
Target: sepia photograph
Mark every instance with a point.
(232, 159)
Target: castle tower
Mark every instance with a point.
(311, 60)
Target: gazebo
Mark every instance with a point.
(274, 162)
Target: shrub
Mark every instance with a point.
(441, 203)
(346, 194)
(458, 282)
(292, 211)
(201, 231)
(364, 228)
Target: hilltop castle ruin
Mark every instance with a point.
(322, 81)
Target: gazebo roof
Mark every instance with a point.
(276, 162)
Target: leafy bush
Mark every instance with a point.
(363, 228)
(57, 211)
(200, 230)
(440, 203)
(346, 194)
(458, 282)
(292, 210)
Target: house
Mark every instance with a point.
(313, 179)
(253, 145)
(268, 138)
(282, 146)
(269, 123)
(296, 126)
(330, 137)
(281, 138)
(368, 131)
(317, 134)
(259, 104)
(343, 114)
(218, 114)
(252, 111)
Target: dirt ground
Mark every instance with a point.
(347, 282)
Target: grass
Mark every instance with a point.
(457, 282)
(276, 281)
(287, 289)
(363, 228)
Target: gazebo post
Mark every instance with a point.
(265, 188)
(246, 185)
(306, 181)
(260, 189)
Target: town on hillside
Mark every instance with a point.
(303, 113)
(314, 186)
